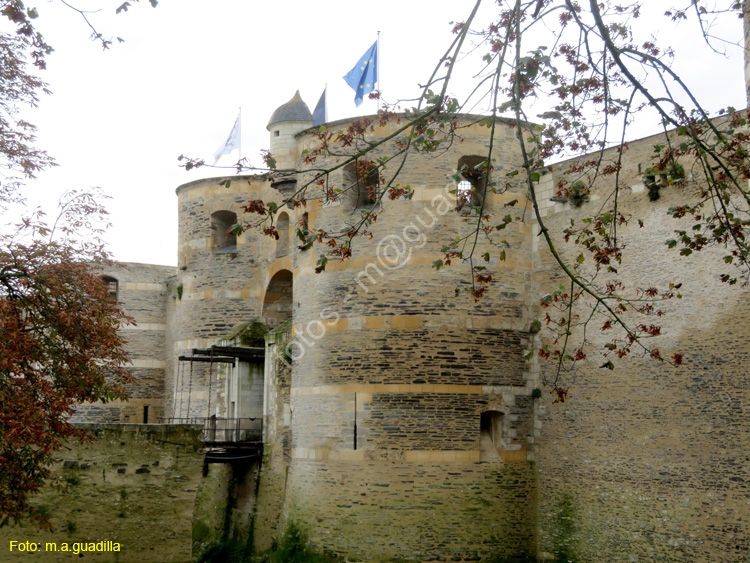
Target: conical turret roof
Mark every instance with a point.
(294, 110)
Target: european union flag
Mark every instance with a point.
(364, 75)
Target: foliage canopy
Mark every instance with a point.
(59, 339)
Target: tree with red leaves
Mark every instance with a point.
(59, 329)
(59, 346)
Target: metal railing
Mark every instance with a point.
(224, 430)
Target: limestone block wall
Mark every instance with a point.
(272, 485)
(134, 485)
(283, 144)
(142, 292)
(391, 374)
(649, 462)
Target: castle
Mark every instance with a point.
(400, 422)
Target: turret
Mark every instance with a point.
(288, 120)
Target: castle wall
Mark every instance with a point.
(648, 462)
(142, 292)
(134, 484)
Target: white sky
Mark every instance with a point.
(119, 119)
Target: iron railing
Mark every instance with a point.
(224, 430)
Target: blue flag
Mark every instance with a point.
(320, 115)
(364, 75)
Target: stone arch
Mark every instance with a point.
(282, 226)
(360, 182)
(221, 239)
(471, 189)
(277, 304)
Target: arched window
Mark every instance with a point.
(361, 184)
(282, 226)
(222, 241)
(277, 305)
(476, 175)
(112, 287)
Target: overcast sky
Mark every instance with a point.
(119, 119)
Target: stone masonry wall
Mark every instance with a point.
(142, 292)
(391, 372)
(649, 462)
(217, 289)
(134, 484)
(416, 511)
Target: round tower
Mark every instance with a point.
(220, 284)
(411, 409)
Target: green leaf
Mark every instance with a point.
(437, 264)
(580, 259)
(486, 256)
(529, 356)
(535, 176)
(322, 261)
(502, 255)
(685, 252)
(608, 365)
(671, 243)
(535, 327)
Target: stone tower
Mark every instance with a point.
(411, 409)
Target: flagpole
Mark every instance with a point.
(378, 69)
(240, 135)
